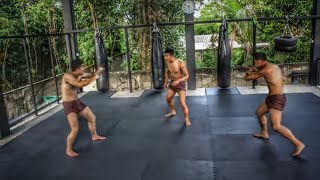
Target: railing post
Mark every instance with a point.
(69, 24)
(69, 51)
(53, 70)
(190, 52)
(128, 58)
(4, 122)
(30, 75)
(254, 43)
(315, 45)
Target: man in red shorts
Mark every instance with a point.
(275, 101)
(176, 77)
(73, 107)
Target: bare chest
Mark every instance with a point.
(174, 69)
(65, 86)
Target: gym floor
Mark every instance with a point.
(144, 145)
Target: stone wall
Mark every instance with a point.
(206, 77)
(20, 101)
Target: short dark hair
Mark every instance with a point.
(75, 64)
(260, 56)
(169, 51)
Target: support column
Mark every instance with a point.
(254, 48)
(315, 46)
(4, 122)
(71, 39)
(190, 52)
(69, 24)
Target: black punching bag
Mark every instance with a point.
(158, 66)
(224, 57)
(101, 62)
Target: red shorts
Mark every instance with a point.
(276, 101)
(75, 106)
(180, 87)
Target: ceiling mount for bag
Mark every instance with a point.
(287, 26)
(155, 27)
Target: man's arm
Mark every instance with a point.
(252, 69)
(85, 76)
(185, 73)
(76, 83)
(255, 75)
(89, 75)
(166, 78)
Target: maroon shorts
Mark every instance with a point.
(276, 101)
(180, 87)
(75, 106)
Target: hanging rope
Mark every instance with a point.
(287, 27)
(286, 42)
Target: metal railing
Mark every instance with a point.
(254, 29)
(31, 84)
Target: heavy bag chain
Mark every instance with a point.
(155, 27)
(98, 35)
(287, 27)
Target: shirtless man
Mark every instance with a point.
(176, 77)
(275, 101)
(74, 107)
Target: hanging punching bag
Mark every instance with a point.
(158, 66)
(101, 63)
(224, 57)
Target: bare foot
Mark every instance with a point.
(97, 137)
(261, 135)
(170, 114)
(71, 153)
(188, 123)
(299, 148)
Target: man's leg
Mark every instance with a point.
(261, 114)
(74, 126)
(275, 116)
(182, 95)
(169, 99)
(91, 118)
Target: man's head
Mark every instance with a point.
(260, 59)
(76, 67)
(168, 54)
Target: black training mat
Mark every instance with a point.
(221, 91)
(142, 144)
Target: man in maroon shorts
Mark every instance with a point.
(275, 101)
(176, 77)
(74, 107)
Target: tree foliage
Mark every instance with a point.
(19, 17)
(266, 31)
